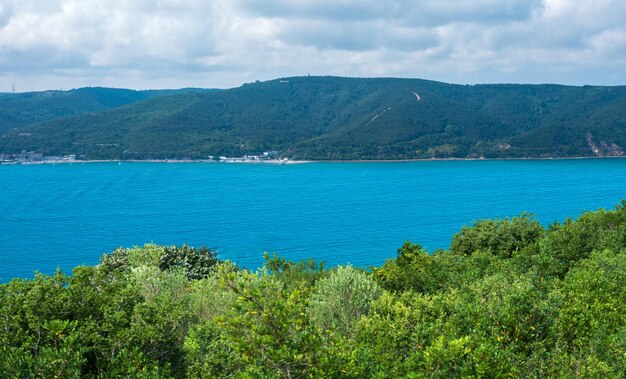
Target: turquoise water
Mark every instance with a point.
(360, 213)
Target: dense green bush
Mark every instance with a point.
(412, 269)
(573, 240)
(499, 237)
(196, 263)
(341, 299)
(509, 299)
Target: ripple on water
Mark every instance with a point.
(65, 215)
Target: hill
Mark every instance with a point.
(346, 118)
(22, 109)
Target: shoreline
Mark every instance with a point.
(465, 159)
(120, 161)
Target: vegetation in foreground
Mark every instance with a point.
(509, 299)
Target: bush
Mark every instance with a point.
(197, 263)
(573, 240)
(499, 237)
(341, 299)
(591, 326)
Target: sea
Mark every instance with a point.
(359, 213)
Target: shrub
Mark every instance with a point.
(341, 299)
(499, 237)
(197, 263)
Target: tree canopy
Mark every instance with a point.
(510, 298)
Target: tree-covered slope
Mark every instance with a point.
(19, 110)
(348, 118)
(510, 298)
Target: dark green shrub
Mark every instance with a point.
(499, 237)
(197, 263)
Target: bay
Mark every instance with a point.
(70, 214)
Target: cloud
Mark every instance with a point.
(6, 12)
(419, 13)
(165, 43)
(354, 35)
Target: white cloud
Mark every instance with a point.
(6, 12)
(419, 13)
(175, 43)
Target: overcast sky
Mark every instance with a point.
(53, 44)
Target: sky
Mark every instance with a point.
(141, 44)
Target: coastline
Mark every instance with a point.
(466, 159)
(120, 161)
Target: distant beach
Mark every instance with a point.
(295, 161)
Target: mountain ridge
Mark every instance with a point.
(345, 118)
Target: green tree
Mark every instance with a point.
(591, 326)
(410, 270)
(271, 332)
(197, 263)
(499, 237)
(573, 240)
(341, 299)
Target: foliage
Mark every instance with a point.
(410, 270)
(196, 263)
(573, 240)
(341, 299)
(278, 339)
(499, 237)
(125, 259)
(591, 326)
(294, 273)
(509, 299)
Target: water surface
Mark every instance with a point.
(64, 215)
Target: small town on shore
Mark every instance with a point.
(31, 157)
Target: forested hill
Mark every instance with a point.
(346, 118)
(23, 109)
